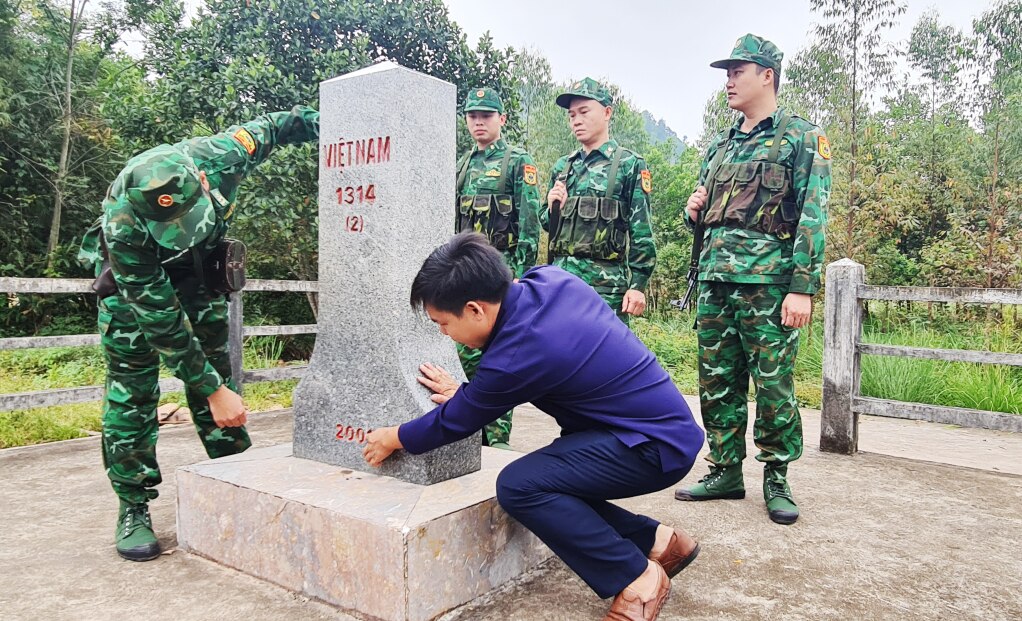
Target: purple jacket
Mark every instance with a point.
(558, 345)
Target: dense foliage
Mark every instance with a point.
(926, 133)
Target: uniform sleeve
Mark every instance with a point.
(811, 179)
(256, 139)
(146, 288)
(641, 248)
(493, 391)
(526, 199)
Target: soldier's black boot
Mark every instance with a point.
(722, 483)
(780, 505)
(135, 538)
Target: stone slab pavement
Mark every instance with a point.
(925, 523)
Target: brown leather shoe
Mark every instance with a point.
(628, 606)
(681, 550)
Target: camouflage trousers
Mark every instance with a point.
(500, 429)
(130, 428)
(740, 335)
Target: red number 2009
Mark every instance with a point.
(347, 433)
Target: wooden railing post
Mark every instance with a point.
(839, 432)
(235, 322)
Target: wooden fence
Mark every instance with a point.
(842, 347)
(40, 398)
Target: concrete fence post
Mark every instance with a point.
(839, 432)
(235, 322)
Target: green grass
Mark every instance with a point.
(670, 336)
(30, 370)
(958, 384)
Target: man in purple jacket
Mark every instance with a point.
(549, 339)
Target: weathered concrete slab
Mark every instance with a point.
(882, 538)
(386, 200)
(376, 545)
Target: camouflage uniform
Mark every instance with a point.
(604, 240)
(764, 238)
(158, 225)
(498, 197)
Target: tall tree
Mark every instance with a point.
(856, 29)
(69, 22)
(936, 52)
(999, 58)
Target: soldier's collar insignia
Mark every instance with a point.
(165, 200)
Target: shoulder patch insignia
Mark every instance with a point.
(647, 181)
(493, 172)
(529, 174)
(246, 140)
(823, 147)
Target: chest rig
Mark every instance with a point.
(592, 226)
(486, 212)
(756, 195)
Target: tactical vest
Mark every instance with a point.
(757, 195)
(593, 226)
(489, 214)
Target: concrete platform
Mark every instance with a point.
(366, 543)
(881, 538)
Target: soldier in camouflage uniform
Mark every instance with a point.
(162, 216)
(601, 230)
(762, 196)
(498, 197)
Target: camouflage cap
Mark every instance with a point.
(753, 49)
(588, 88)
(485, 99)
(163, 187)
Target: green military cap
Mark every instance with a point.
(588, 88)
(163, 187)
(485, 99)
(753, 49)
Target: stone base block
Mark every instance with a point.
(376, 546)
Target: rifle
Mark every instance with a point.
(693, 266)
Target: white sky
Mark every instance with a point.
(659, 51)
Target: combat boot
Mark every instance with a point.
(780, 505)
(722, 483)
(135, 538)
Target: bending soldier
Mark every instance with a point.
(164, 219)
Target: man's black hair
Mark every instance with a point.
(465, 269)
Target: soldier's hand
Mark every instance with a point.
(634, 303)
(557, 193)
(796, 310)
(695, 203)
(380, 443)
(227, 408)
(437, 379)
